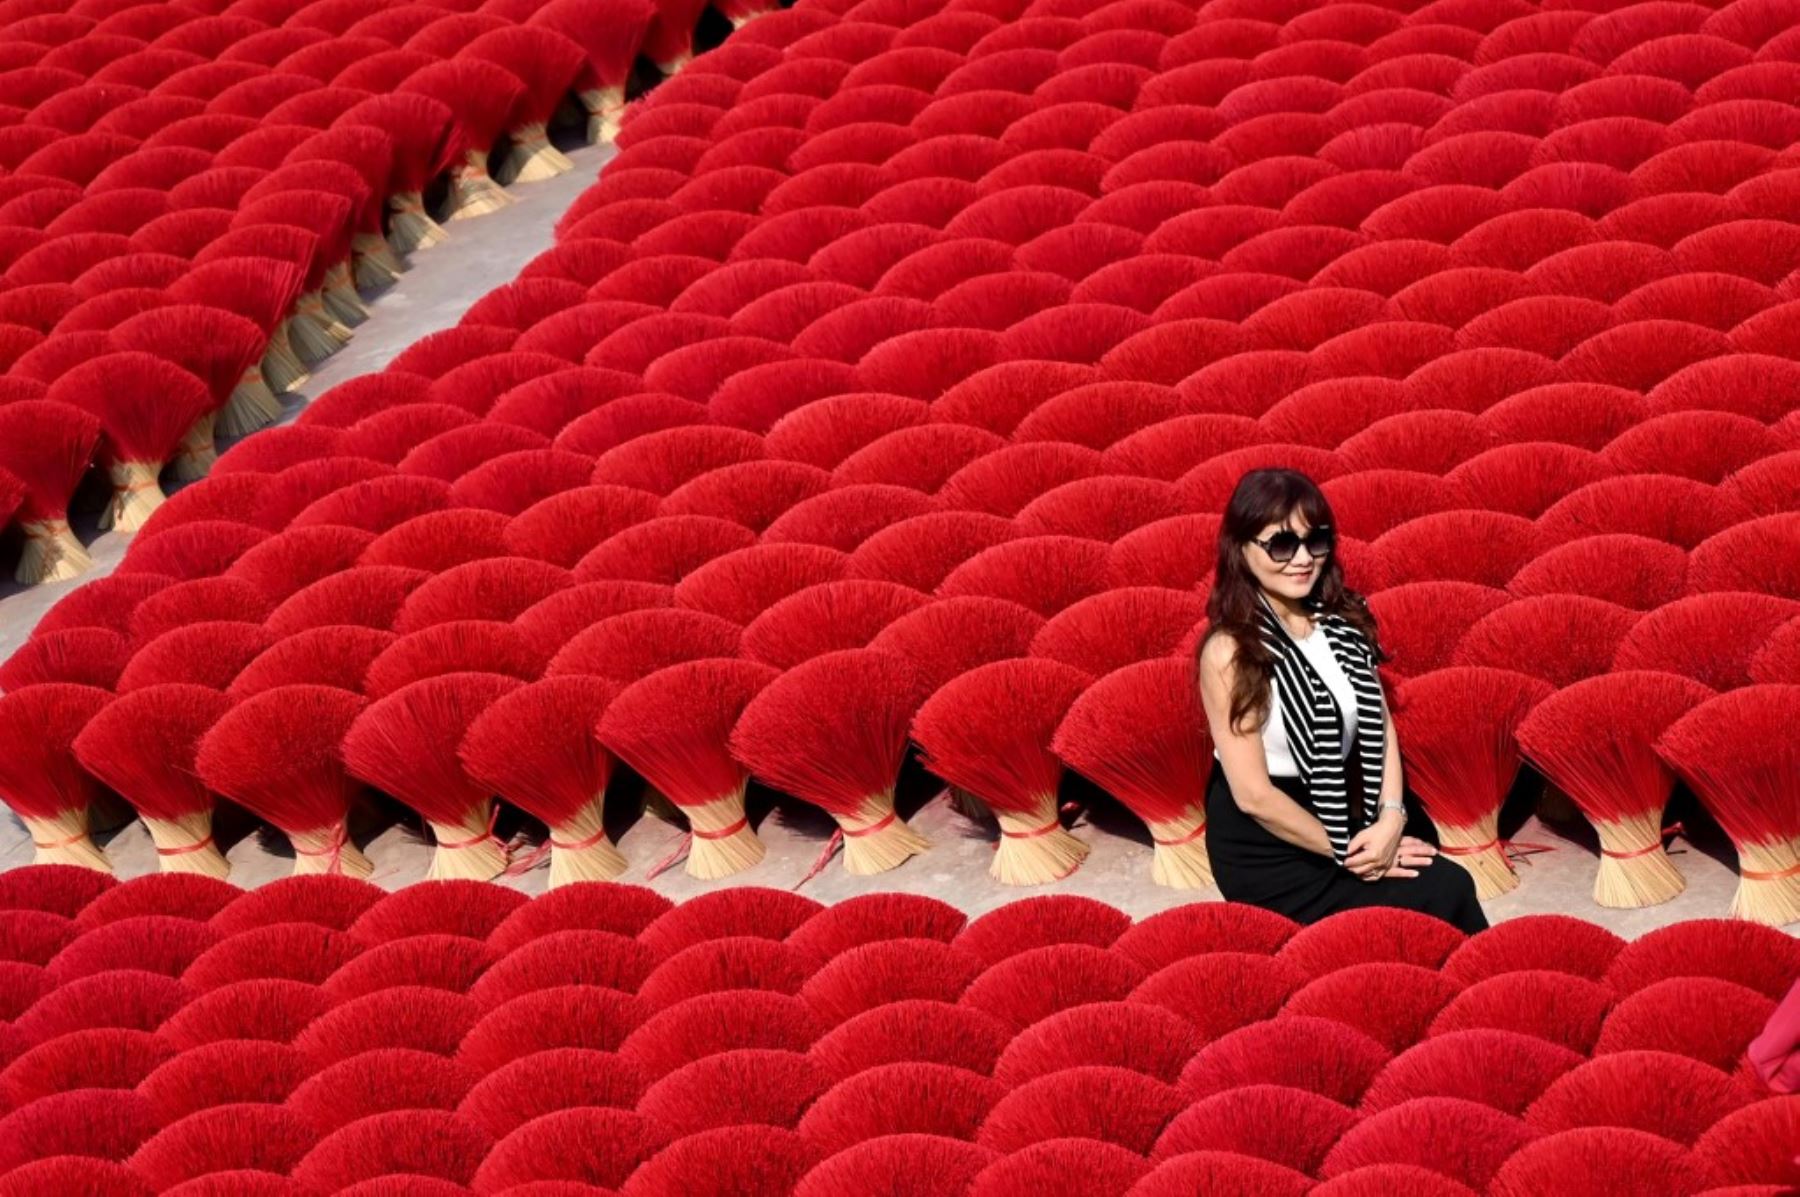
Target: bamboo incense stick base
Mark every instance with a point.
(1034, 848)
(136, 495)
(51, 553)
(328, 850)
(876, 838)
(1180, 860)
(340, 296)
(195, 455)
(466, 850)
(281, 368)
(185, 845)
(1768, 883)
(1635, 870)
(410, 229)
(722, 841)
(532, 158)
(473, 192)
(62, 839)
(372, 253)
(579, 849)
(371, 275)
(313, 331)
(252, 406)
(1477, 847)
(601, 862)
(606, 110)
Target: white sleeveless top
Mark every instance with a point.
(1317, 650)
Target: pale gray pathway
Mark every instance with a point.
(441, 285)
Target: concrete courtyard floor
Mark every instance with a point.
(486, 253)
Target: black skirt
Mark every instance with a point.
(1252, 865)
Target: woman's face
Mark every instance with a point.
(1294, 579)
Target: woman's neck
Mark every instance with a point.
(1292, 612)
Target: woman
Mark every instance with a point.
(1305, 809)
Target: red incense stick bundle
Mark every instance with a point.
(278, 755)
(143, 745)
(1596, 741)
(674, 727)
(547, 63)
(47, 446)
(831, 615)
(40, 778)
(951, 636)
(405, 744)
(635, 644)
(1139, 733)
(146, 406)
(833, 731)
(221, 349)
(1736, 751)
(262, 290)
(989, 732)
(1119, 627)
(611, 32)
(199, 600)
(482, 96)
(1456, 728)
(478, 645)
(535, 747)
(742, 585)
(85, 656)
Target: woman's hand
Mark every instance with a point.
(1414, 855)
(1375, 850)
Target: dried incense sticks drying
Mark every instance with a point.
(876, 408)
(174, 1032)
(220, 225)
(969, 733)
(536, 747)
(142, 745)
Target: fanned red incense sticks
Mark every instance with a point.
(1596, 740)
(40, 778)
(47, 446)
(1750, 791)
(1456, 730)
(1139, 733)
(611, 32)
(143, 746)
(406, 744)
(989, 732)
(145, 406)
(482, 96)
(832, 731)
(279, 755)
(536, 748)
(674, 728)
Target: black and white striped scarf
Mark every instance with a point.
(1315, 726)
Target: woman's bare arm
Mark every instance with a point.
(1393, 779)
(1241, 755)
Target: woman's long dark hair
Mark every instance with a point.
(1265, 497)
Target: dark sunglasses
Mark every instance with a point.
(1281, 546)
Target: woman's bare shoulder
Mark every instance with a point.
(1219, 653)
